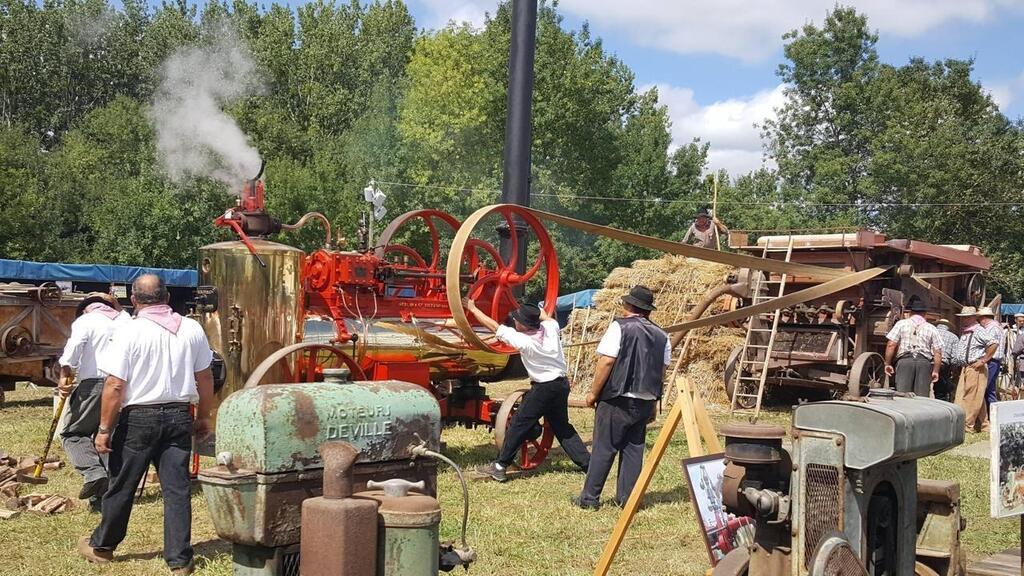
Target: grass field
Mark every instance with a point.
(523, 527)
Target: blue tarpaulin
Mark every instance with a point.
(1010, 309)
(51, 272)
(565, 304)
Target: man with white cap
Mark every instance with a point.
(978, 347)
(96, 317)
(917, 349)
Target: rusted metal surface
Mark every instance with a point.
(409, 533)
(339, 533)
(939, 524)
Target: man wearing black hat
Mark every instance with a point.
(96, 318)
(538, 339)
(917, 348)
(633, 355)
(704, 231)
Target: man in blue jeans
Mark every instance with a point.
(987, 319)
(156, 366)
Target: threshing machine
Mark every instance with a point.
(837, 341)
(383, 310)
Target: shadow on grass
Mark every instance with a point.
(204, 550)
(44, 402)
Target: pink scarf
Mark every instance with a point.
(917, 319)
(102, 309)
(163, 316)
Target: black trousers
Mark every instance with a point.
(620, 428)
(914, 374)
(945, 388)
(161, 434)
(548, 400)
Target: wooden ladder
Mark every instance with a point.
(752, 367)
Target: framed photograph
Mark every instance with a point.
(1007, 476)
(721, 531)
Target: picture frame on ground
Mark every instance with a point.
(1007, 473)
(720, 530)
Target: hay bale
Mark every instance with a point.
(678, 283)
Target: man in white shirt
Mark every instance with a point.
(156, 365)
(98, 315)
(538, 339)
(628, 380)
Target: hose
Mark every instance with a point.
(305, 219)
(422, 450)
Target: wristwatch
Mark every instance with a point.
(102, 430)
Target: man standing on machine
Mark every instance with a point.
(96, 318)
(538, 339)
(632, 358)
(917, 349)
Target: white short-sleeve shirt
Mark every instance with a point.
(541, 351)
(90, 333)
(612, 341)
(159, 367)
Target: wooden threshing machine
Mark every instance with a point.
(35, 321)
(836, 342)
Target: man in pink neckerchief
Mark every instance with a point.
(917, 349)
(156, 366)
(96, 317)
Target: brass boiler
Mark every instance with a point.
(259, 309)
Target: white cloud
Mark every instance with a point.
(438, 13)
(731, 126)
(1006, 92)
(751, 31)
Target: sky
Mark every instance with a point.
(714, 62)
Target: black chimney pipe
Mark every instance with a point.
(515, 186)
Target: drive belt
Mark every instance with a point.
(671, 247)
(812, 293)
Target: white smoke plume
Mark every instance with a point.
(195, 137)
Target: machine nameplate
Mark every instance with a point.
(352, 431)
(344, 413)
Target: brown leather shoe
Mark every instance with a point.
(93, 555)
(184, 570)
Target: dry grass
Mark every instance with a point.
(678, 283)
(524, 527)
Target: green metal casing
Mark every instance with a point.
(273, 433)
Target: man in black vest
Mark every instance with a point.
(628, 380)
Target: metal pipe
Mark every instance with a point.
(305, 219)
(703, 304)
(515, 185)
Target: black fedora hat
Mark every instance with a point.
(528, 315)
(640, 297)
(703, 212)
(917, 305)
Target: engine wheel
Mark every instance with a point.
(867, 372)
(493, 292)
(304, 362)
(532, 452)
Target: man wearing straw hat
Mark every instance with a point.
(632, 357)
(915, 345)
(96, 317)
(538, 339)
(978, 347)
(988, 322)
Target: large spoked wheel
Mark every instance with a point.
(493, 292)
(732, 379)
(303, 362)
(532, 452)
(430, 219)
(867, 372)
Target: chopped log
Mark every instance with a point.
(52, 504)
(8, 514)
(9, 488)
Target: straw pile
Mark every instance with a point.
(678, 283)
